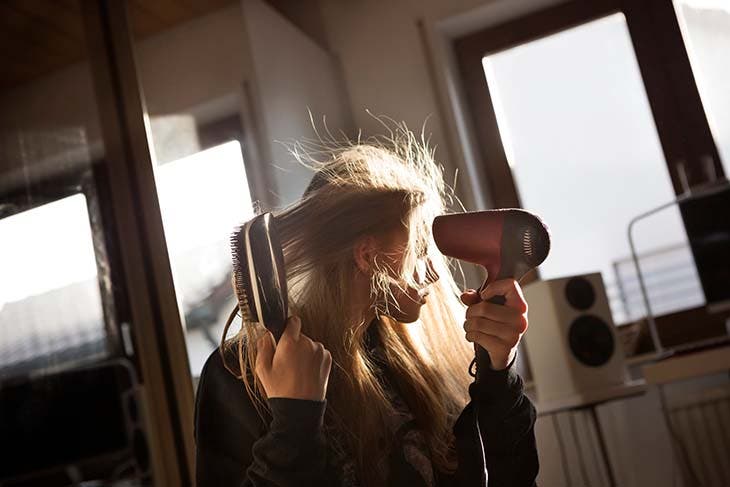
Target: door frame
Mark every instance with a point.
(131, 203)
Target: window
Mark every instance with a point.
(706, 31)
(50, 303)
(584, 153)
(588, 113)
(202, 198)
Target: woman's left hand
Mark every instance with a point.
(497, 328)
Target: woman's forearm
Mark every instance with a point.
(236, 447)
(293, 451)
(506, 422)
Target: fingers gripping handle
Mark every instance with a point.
(481, 359)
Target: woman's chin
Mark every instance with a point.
(408, 316)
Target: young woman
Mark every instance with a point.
(370, 376)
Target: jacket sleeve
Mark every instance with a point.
(236, 448)
(506, 421)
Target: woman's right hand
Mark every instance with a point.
(296, 367)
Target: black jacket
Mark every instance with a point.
(235, 447)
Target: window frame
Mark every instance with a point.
(680, 119)
(87, 179)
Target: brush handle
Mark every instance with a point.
(277, 329)
(483, 361)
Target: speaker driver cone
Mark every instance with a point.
(591, 340)
(580, 293)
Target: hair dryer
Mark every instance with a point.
(508, 243)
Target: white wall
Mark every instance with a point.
(293, 76)
(385, 58)
(195, 62)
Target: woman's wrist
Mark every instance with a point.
(494, 385)
(298, 417)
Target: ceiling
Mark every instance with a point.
(40, 36)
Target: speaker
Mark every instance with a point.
(572, 344)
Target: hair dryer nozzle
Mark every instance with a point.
(507, 243)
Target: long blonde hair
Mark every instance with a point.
(369, 188)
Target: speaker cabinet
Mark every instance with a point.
(574, 351)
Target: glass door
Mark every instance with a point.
(67, 387)
(89, 390)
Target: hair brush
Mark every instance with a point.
(259, 278)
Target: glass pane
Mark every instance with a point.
(50, 299)
(196, 134)
(62, 379)
(583, 148)
(50, 304)
(202, 198)
(706, 29)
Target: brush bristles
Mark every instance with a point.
(240, 274)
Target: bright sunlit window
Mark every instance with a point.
(50, 304)
(45, 248)
(202, 198)
(49, 295)
(577, 128)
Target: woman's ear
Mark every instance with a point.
(364, 253)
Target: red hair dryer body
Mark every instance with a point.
(507, 243)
